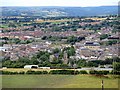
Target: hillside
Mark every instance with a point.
(59, 11)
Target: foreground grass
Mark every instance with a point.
(56, 81)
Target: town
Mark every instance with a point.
(59, 42)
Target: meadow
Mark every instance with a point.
(57, 81)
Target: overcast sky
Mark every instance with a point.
(81, 3)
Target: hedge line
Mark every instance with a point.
(12, 73)
(63, 72)
(115, 72)
(36, 72)
(66, 72)
(99, 72)
(22, 72)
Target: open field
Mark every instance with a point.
(54, 21)
(25, 70)
(56, 81)
(22, 69)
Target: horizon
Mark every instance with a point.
(58, 3)
(62, 6)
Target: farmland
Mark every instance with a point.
(25, 70)
(53, 21)
(57, 81)
(21, 69)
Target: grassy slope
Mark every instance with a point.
(56, 81)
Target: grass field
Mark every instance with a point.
(56, 81)
(22, 69)
(25, 70)
(53, 21)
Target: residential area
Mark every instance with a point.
(68, 40)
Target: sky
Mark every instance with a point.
(81, 3)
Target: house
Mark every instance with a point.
(92, 45)
(30, 66)
(26, 38)
(86, 53)
(3, 49)
(109, 55)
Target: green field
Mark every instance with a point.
(56, 81)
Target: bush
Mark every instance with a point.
(106, 72)
(76, 72)
(36, 72)
(92, 72)
(115, 72)
(14, 73)
(9, 73)
(83, 72)
(30, 72)
(22, 72)
(4, 72)
(99, 72)
(44, 72)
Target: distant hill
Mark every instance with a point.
(59, 11)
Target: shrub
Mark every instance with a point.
(30, 72)
(115, 72)
(44, 72)
(99, 72)
(76, 72)
(106, 72)
(14, 73)
(22, 72)
(53, 72)
(9, 73)
(5, 72)
(83, 72)
(92, 72)
(36, 72)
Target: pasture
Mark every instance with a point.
(57, 81)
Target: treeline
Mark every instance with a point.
(57, 63)
(61, 72)
(96, 63)
(42, 59)
(69, 39)
(15, 41)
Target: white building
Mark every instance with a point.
(30, 66)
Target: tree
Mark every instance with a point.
(34, 62)
(81, 63)
(71, 39)
(70, 51)
(111, 42)
(103, 36)
(56, 50)
(44, 58)
(116, 66)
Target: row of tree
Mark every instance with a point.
(63, 72)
